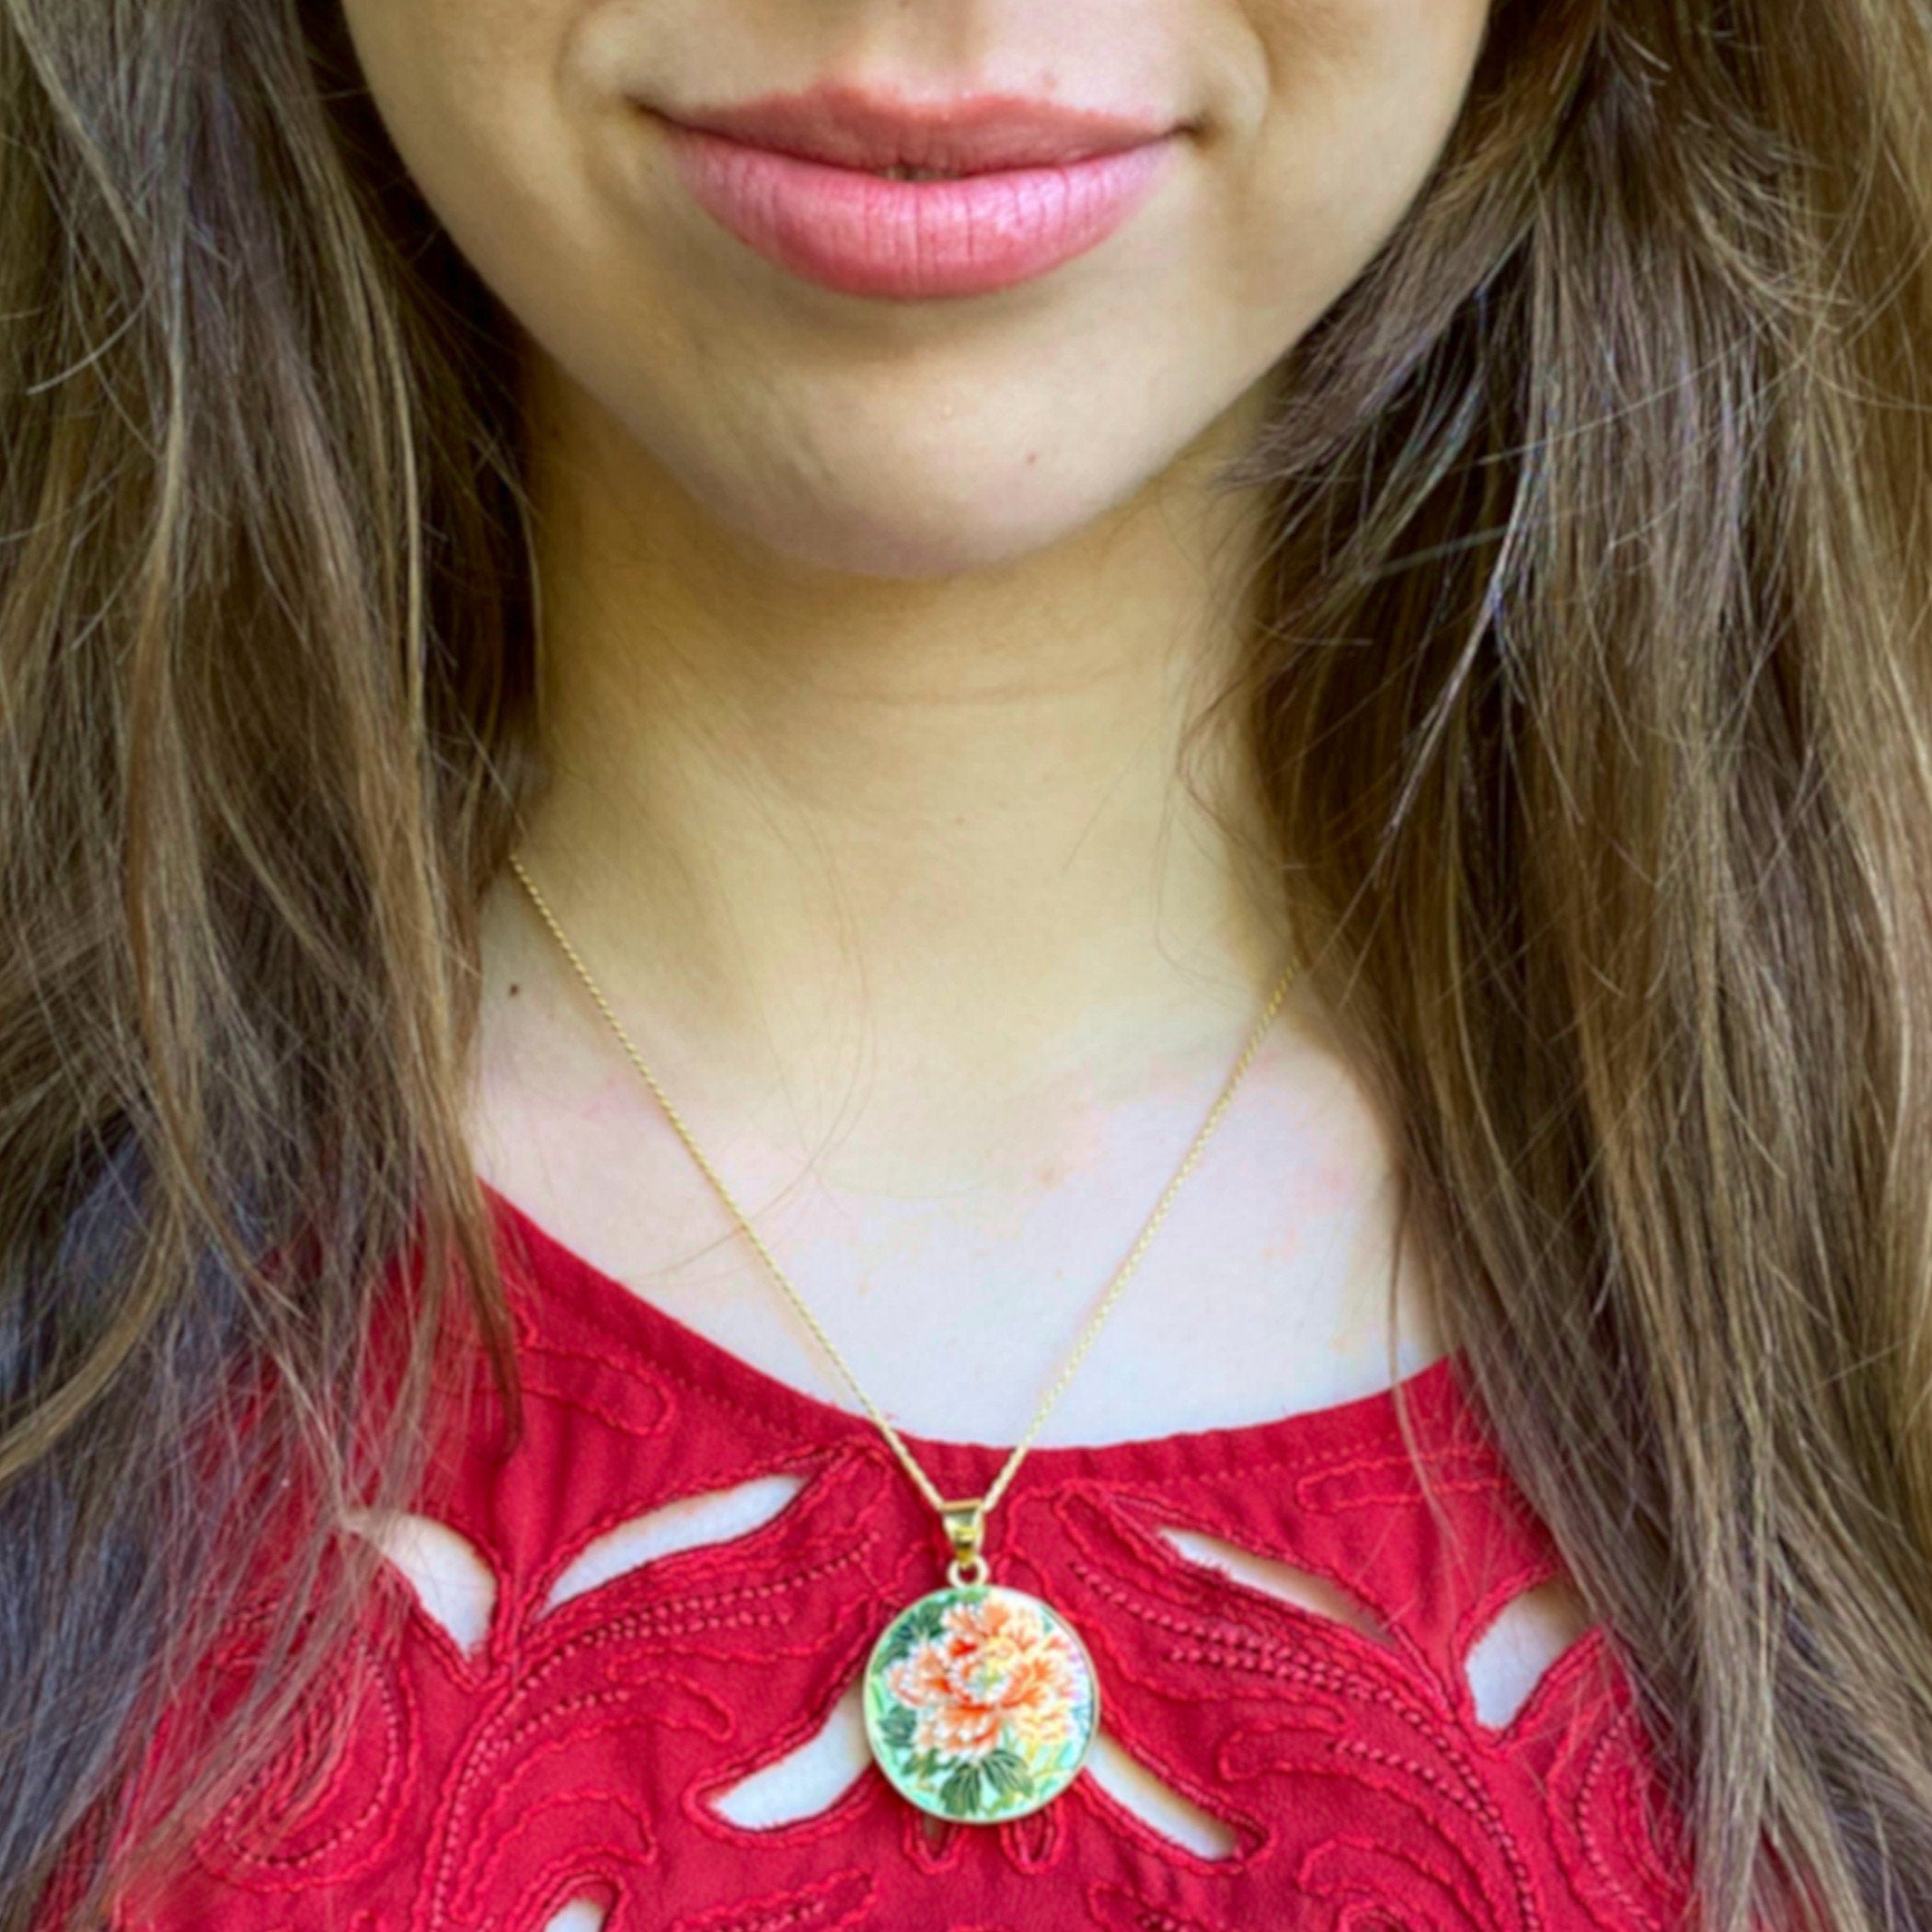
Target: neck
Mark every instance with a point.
(955, 825)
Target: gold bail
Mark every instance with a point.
(965, 1520)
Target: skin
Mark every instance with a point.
(871, 632)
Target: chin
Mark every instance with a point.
(915, 530)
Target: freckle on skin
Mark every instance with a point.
(513, 990)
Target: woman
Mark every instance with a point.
(1384, 531)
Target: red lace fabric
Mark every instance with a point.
(581, 1750)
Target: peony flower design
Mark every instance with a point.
(980, 1702)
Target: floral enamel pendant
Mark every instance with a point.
(981, 1703)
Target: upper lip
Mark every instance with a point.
(975, 133)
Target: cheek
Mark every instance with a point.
(465, 89)
(1360, 96)
(417, 51)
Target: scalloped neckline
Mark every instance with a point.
(1436, 1394)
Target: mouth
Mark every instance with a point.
(900, 138)
(909, 202)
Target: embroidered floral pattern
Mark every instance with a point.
(577, 1749)
(980, 1703)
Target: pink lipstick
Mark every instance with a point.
(908, 201)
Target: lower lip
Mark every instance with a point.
(909, 241)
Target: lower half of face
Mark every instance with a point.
(690, 208)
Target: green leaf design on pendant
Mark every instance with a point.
(960, 1792)
(1007, 1770)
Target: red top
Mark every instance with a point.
(579, 1748)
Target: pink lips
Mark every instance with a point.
(1035, 184)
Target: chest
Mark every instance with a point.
(1265, 1289)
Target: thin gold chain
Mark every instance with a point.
(1122, 1276)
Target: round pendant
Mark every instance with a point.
(981, 1703)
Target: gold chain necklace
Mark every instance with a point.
(981, 1701)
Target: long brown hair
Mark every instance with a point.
(1590, 685)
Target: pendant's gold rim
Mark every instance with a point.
(975, 1591)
